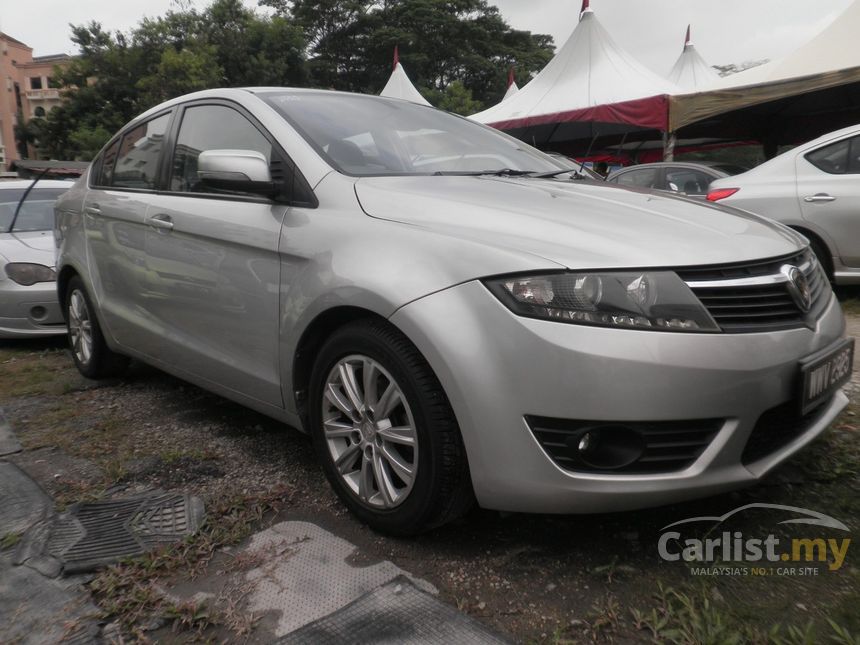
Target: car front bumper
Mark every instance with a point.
(27, 312)
(498, 368)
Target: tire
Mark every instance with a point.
(91, 354)
(368, 428)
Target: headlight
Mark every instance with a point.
(658, 300)
(28, 274)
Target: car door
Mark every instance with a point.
(213, 263)
(122, 181)
(828, 191)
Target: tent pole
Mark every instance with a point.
(669, 141)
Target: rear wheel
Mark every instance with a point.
(385, 432)
(90, 352)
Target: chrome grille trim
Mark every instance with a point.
(754, 297)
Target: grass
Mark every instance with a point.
(35, 373)
(684, 617)
(9, 540)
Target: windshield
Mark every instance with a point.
(37, 213)
(369, 136)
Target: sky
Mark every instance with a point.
(724, 31)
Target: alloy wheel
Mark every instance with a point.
(80, 327)
(370, 432)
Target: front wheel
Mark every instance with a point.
(90, 352)
(385, 432)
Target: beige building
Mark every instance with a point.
(26, 89)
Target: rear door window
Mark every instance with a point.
(139, 155)
(641, 178)
(832, 159)
(102, 173)
(688, 180)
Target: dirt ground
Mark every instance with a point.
(539, 579)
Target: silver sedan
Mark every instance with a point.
(28, 290)
(450, 316)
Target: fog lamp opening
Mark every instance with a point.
(609, 447)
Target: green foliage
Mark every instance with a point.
(456, 51)
(456, 98)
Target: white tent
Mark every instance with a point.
(513, 88)
(831, 59)
(400, 87)
(591, 79)
(690, 71)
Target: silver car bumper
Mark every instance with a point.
(31, 311)
(498, 368)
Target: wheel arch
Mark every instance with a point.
(63, 278)
(312, 338)
(816, 239)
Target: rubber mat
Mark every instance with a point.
(92, 535)
(396, 613)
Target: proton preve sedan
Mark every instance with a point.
(449, 316)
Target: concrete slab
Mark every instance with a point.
(9, 443)
(22, 502)
(34, 609)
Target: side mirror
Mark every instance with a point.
(242, 171)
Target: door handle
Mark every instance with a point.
(162, 222)
(93, 210)
(820, 197)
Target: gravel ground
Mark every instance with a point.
(536, 578)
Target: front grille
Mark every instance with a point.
(777, 428)
(757, 307)
(668, 445)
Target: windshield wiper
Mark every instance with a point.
(555, 173)
(503, 172)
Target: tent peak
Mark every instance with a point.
(688, 40)
(586, 9)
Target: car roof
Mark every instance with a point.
(18, 184)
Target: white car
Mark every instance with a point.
(814, 189)
(28, 284)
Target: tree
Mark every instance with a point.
(456, 51)
(456, 98)
(350, 44)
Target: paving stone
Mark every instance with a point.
(22, 502)
(9, 443)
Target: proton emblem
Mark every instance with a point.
(798, 287)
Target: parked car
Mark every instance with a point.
(692, 179)
(448, 334)
(28, 290)
(815, 189)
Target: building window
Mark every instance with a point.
(35, 82)
(39, 111)
(53, 83)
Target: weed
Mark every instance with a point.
(9, 540)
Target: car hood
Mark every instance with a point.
(579, 225)
(36, 247)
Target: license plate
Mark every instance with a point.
(823, 374)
